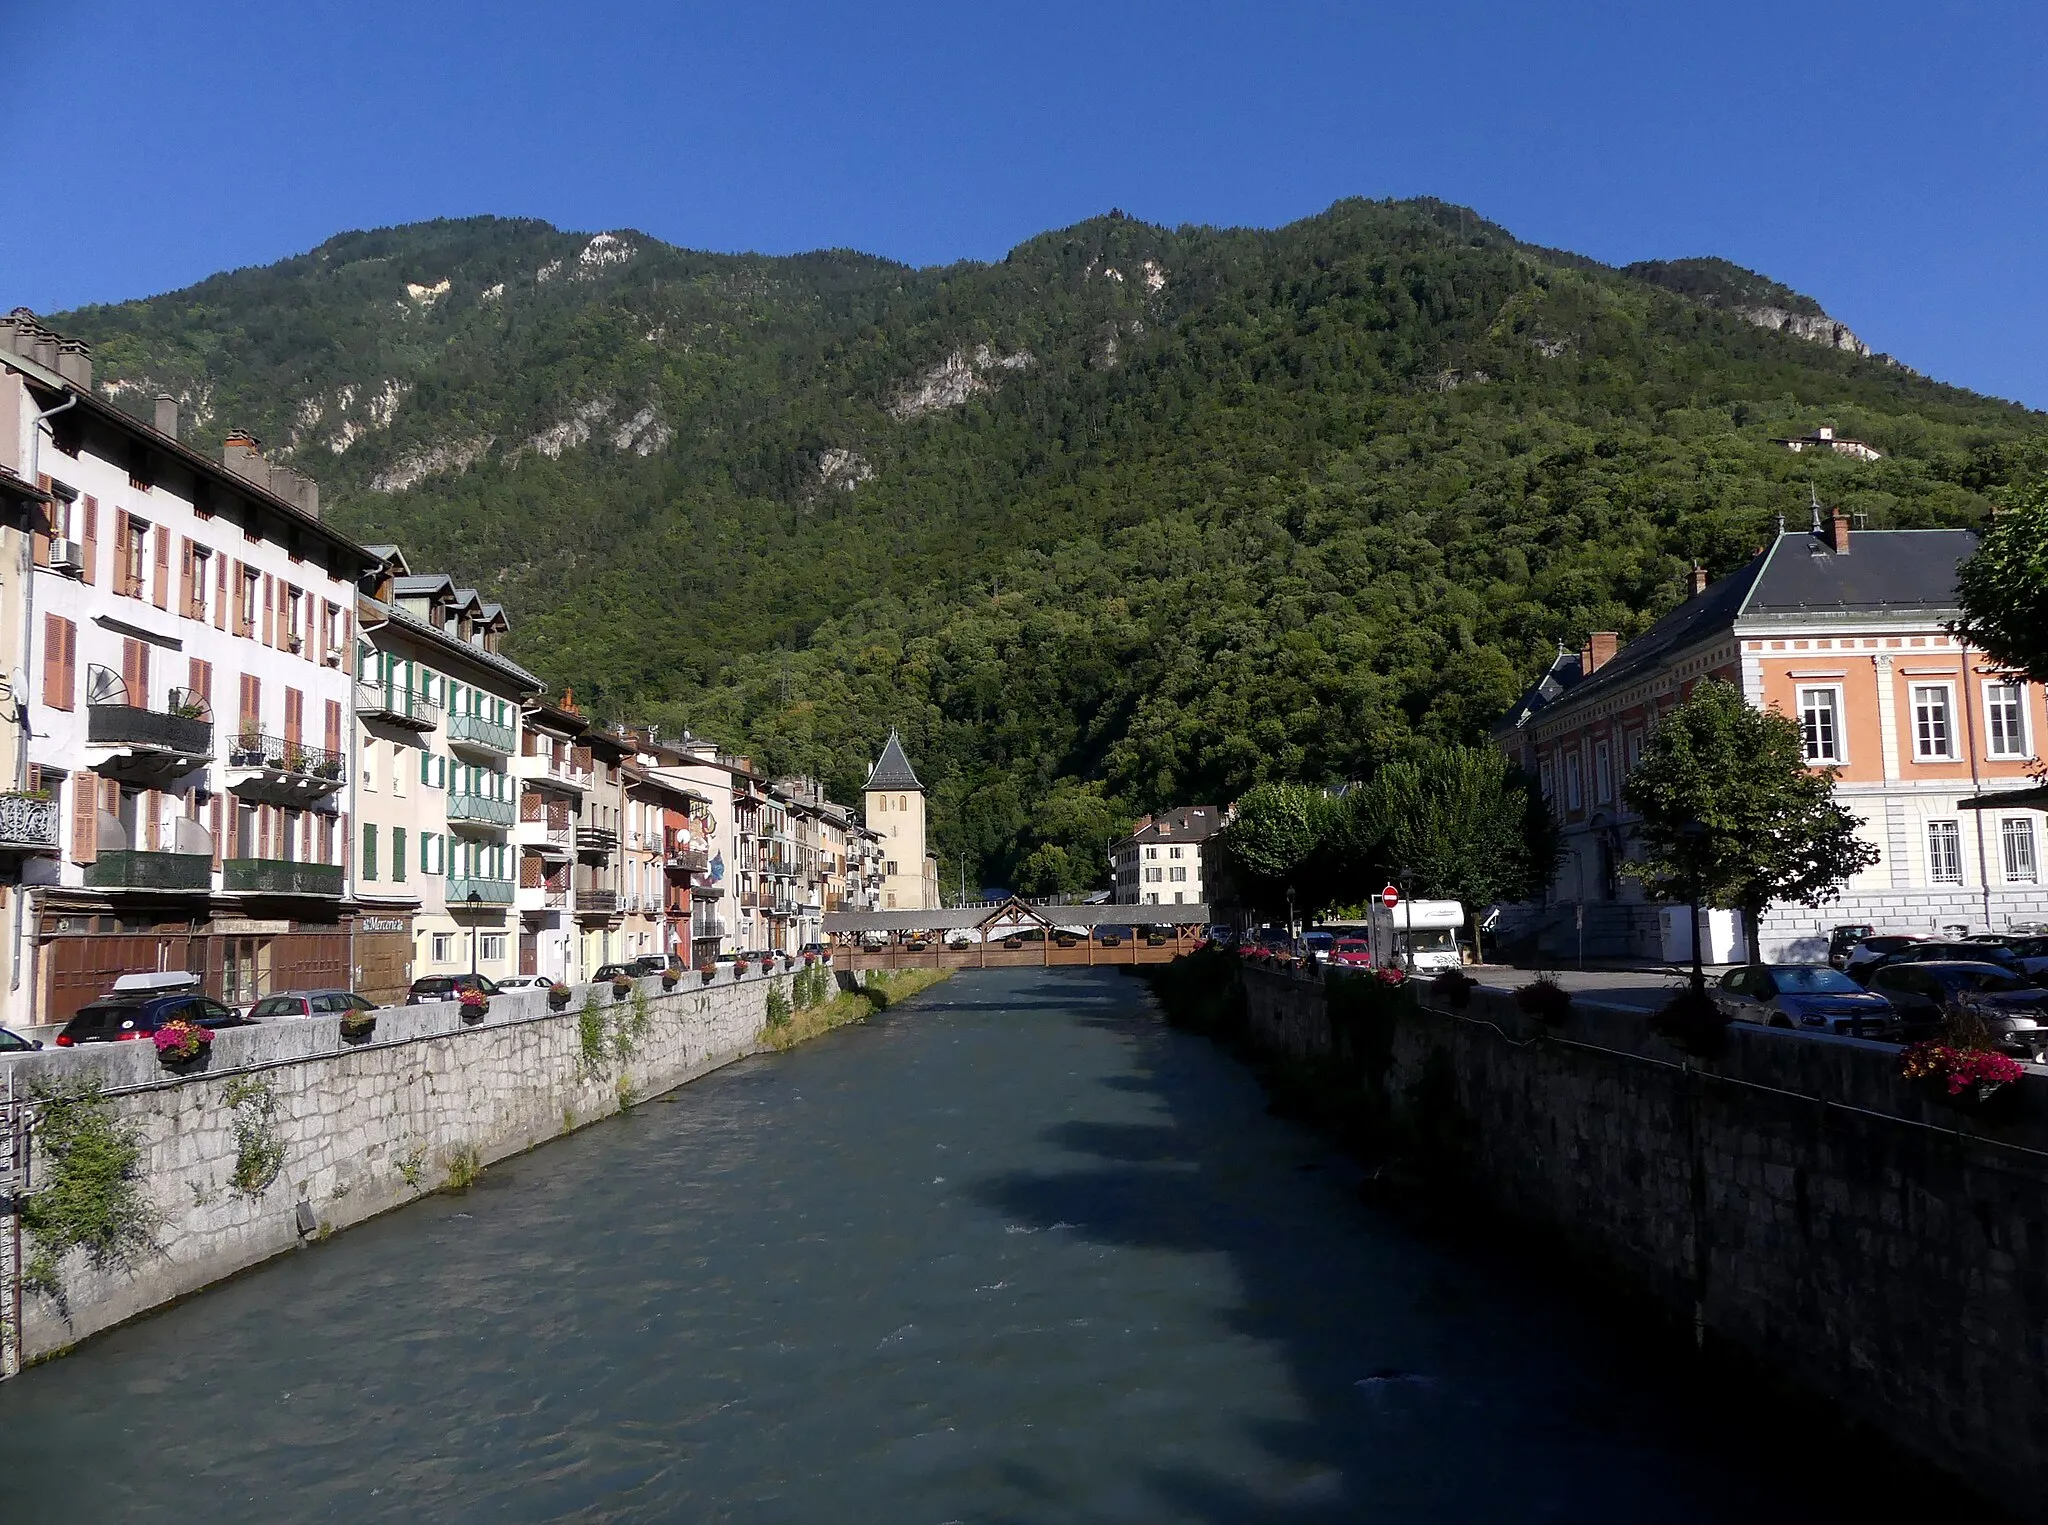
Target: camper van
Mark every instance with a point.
(1420, 936)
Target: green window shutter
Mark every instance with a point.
(369, 851)
(398, 855)
(426, 852)
(426, 767)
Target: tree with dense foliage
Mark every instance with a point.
(1733, 816)
(2003, 586)
(1133, 517)
(1460, 823)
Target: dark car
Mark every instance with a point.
(2013, 1008)
(289, 1004)
(14, 1043)
(631, 971)
(119, 1018)
(1810, 997)
(430, 988)
(653, 963)
(1946, 952)
(1864, 957)
(1842, 939)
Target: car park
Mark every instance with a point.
(2030, 949)
(430, 988)
(14, 1043)
(1810, 997)
(289, 1005)
(142, 1003)
(2014, 1009)
(1864, 956)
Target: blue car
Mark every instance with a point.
(121, 1017)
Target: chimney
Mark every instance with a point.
(1838, 533)
(1601, 646)
(1699, 579)
(74, 363)
(167, 414)
(240, 453)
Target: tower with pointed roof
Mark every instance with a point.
(893, 806)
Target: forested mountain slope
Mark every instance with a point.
(1133, 516)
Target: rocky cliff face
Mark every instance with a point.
(1816, 328)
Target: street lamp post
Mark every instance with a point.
(476, 902)
(1695, 832)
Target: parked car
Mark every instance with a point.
(1843, 939)
(525, 982)
(1320, 944)
(2030, 949)
(126, 1015)
(1931, 951)
(1862, 958)
(816, 950)
(631, 971)
(649, 963)
(429, 988)
(1810, 997)
(2013, 1007)
(14, 1043)
(1351, 953)
(286, 1005)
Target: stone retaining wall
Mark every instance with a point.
(364, 1128)
(1795, 1197)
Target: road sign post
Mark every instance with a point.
(1390, 897)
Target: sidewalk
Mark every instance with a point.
(1642, 987)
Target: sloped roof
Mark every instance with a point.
(893, 770)
(1883, 571)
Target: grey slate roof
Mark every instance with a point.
(490, 659)
(893, 771)
(1883, 570)
(1186, 823)
(413, 584)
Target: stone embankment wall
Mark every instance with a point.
(361, 1128)
(1793, 1197)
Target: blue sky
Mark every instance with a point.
(1887, 159)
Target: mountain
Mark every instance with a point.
(1133, 516)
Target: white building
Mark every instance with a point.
(1161, 861)
(893, 807)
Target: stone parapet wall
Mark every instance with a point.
(1795, 1196)
(364, 1128)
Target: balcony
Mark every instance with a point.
(479, 734)
(596, 841)
(597, 902)
(394, 704)
(148, 746)
(177, 873)
(542, 897)
(486, 891)
(688, 863)
(478, 810)
(282, 771)
(275, 876)
(28, 824)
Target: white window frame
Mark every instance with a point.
(1836, 704)
(1574, 782)
(2018, 690)
(1952, 833)
(1948, 691)
(1603, 773)
(1632, 752)
(2014, 829)
(443, 949)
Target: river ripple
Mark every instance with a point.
(1014, 1251)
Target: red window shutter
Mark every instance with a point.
(85, 817)
(70, 661)
(220, 602)
(343, 641)
(294, 716)
(334, 726)
(135, 672)
(89, 536)
(252, 702)
(163, 569)
(56, 692)
(121, 534)
(201, 680)
(216, 823)
(39, 535)
(269, 593)
(185, 578)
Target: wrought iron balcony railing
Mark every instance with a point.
(293, 760)
(28, 823)
(131, 725)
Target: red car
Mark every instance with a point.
(1351, 953)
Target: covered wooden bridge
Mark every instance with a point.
(1008, 933)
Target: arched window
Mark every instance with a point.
(902, 803)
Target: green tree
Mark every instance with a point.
(1464, 822)
(2003, 588)
(1733, 816)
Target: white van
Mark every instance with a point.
(1420, 936)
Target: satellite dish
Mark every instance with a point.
(17, 684)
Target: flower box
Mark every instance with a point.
(669, 978)
(1692, 1022)
(1967, 1079)
(475, 1004)
(183, 1046)
(1542, 999)
(739, 967)
(1454, 988)
(358, 1027)
(622, 987)
(558, 996)
(707, 972)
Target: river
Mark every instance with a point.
(1014, 1251)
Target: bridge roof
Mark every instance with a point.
(969, 918)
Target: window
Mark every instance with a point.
(1152, 875)
(1944, 853)
(1603, 774)
(891, 868)
(1173, 852)
(398, 855)
(2016, 836)
(369, 852)
(133, 550)
(444, 947)
(370, 762)
(1574, 782)
(1632, 751)
(1933, 736)
(1178, 875)
(1820, 724)
(493, 949)
(245, 610)
(2005, 719)
(1151, 852)
(1546, 779)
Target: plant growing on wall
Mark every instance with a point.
(630, 1028)
(593, 1058)
(91, 1198)
(778, 1004)
(259, 1151)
